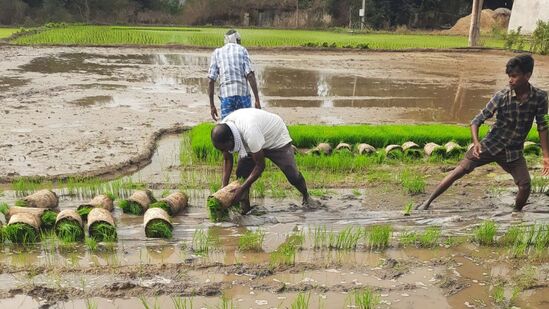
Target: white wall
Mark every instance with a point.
(526, 13)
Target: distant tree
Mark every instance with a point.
(12, 11)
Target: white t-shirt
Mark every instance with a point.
(259, 129)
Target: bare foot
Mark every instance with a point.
(310, 203)
(423, 206)
(245, 207)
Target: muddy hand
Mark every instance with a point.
(213, 111)
(477, 150)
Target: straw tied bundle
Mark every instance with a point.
(137, 203)
(23, 228)
(39, 204)
(69, 226)
(220, 202)
(157, 221)
(100, 201)
(101, 225)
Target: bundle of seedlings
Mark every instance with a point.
(412, 150)
(157, 223)
(220, 202)
(69, 226)
(394, 152)
(453, 150)
(40, 199)
(343, 147)
(46, 216)
(101, 225)
(104, 201)
(434, 150)
(23, 228)
(531, 148)
(172, 203)
(321, 149)
(364, 149)
(137, 203)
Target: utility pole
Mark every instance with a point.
(297, 14)
(474, 30)
(363, 14)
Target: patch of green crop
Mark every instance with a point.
(21, 233)
(158, 228)
(285, 254)
(378, 236)
(69, 231)
(412, 182)
(485, 234)
(430, 237)
(346, 239)
(4, 208)
(130, 207)
(7, 32)
(103, 232)
(301, 301)
(48, 219)
(407, 210)
(364, 299)
(84, 212)
(251, 241)
(202, 243)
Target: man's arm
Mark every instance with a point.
(227, 168)
(253, 84)
(544, 141)
(213, 110)
(477, 149)
(259, 160)
(542, 121)
(486, 113)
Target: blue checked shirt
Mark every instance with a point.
(513, 121)
(231, 64)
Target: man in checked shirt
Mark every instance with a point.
(232, 65)
(516, 108)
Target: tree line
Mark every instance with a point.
(380, 14)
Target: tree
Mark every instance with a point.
(474, 31)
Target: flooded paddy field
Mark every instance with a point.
(109, 112)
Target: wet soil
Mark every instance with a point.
(91, 111)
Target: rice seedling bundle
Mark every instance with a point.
(40, 199)
(137, 203)
(343, 147)
(434, 150)
(412, 150)
(104, 201)
(485, 233)
(101, 226)
(321, 149)
(218, 204)
(453, 150)
(69, 226)
(48, 219)
(378, 236)
(364, 149)
(173, 203)
(251, 241)
(394, 152)
(531, 148)
(23, 228)
(157, 223)
(46, 216)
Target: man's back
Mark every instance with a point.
(231, 63)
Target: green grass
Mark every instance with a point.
(540, 184)
(91, 243)
(21, 233)
(48, 219)
(530, 240)
(182, 302)
(429, 238)
(407, 210)
(7, 32)
(4, 208)
(69, 231)
(364, 299)
(251, 241)
(163, 205)
(158, 228)
(346, 239)
(301, 301)
(130, 207)
(485, 234)
(285, 254)
(378, 236)
(213, 37)
(103, 232)
(412, 182)
(202, 243)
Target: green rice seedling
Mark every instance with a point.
(301, 301)
(91, 243)
(320, 237)
(182, 302)
(485, 233)
(21, 233)
(498, 294)
(216, 212)
(285, 254)
(429, 238)
(413, 183)
(4, 208)
(453, 241)
(84, 211)
(103, 232)
(364, 299)
(146, 304)
(159, 229)
(202, 243)
(378, 236)
(69, 231)
(226, 303)
(162, 204)
(408, 208)
(408, 238)
(251, 241)
(130, 207)
(48, 219)
(513, 234)
(346, 239)
(21, 203)
(540, 184)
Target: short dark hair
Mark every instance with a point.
(524, 63)
(231, 31)
(221, 133)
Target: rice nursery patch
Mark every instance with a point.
(251, 241)
(485, 234)
(378, 236)
(163, 205)
(364, 299)
(69, 231)
(21, 233)
(103, 232)
(159, 229)
(130, 207)
(48, 219)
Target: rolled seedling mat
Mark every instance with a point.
(219, 202)
(365, 149)
(23, 228)
(42, 199)
(17, 210)
(100, 201)
(432, 149)
(322, 149)
(99, 221)
(531, 148)
(69, 226)
(412, 150)
(157, 223)
(45, 215)
(343, 147)
(141, 199)
(294, 148)
(393, 151)
(453, 149)
(172, 203)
